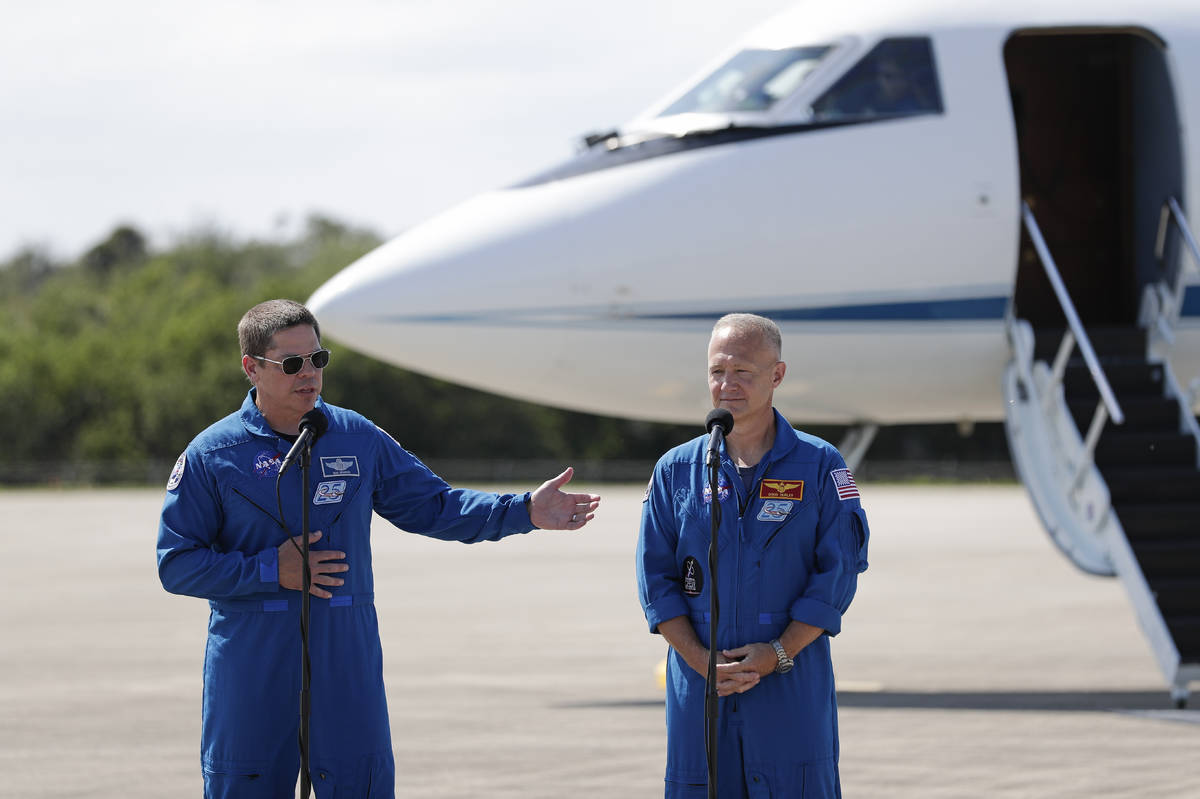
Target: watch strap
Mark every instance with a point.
(785, 663)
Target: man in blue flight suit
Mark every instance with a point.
(792, 541)
(221, 538)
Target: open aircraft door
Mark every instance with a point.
(1100, 432)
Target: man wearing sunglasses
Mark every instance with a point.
(224, 537)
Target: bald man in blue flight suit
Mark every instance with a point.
(221, 538)
(792, 542)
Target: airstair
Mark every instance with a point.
(1107, 445)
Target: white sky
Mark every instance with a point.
(246, 116)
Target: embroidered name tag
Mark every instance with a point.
(781, 489)
(339, 466)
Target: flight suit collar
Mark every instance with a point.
(254, 421)
(785, 442)
(785, 438)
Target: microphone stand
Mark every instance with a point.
(312, 426)
(710, 694)
(305, 459)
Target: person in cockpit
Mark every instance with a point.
(895, 78)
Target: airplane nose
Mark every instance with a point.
(516, 290)
(521, 287)
(489, 254)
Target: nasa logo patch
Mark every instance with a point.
(329, 492)
(775, 510)
(177, 473)
(722, 489)
(266, 463)
(693, 577)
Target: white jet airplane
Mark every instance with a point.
(955, 212)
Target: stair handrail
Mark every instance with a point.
(1107, 397)
(1172, 212)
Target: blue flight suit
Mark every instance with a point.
(793, 552)
(218, 539)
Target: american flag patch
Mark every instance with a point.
(844, 482)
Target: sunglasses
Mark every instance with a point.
(294, 363)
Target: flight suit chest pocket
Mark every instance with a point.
(331, 501)
(781, 510)
(695, 509)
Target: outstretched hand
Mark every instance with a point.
(552, 509)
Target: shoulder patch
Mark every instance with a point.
(177, 473)
(645, 496)
(844, 482)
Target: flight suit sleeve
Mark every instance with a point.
(415, 499)
(191, 519)
(659, 585)
(841, 550)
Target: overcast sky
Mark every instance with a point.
(247, 116)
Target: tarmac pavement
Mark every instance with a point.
(975, 661)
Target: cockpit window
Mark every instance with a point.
(753, 80)
(896, 78)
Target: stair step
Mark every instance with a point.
(1168, 560)
(1178, 597)
(1119, 448)
(1141, 413)
(1150, 468)
(1128, 377)
(1152, 485)
(1160, 522)
(1185, 630)
(1122, 340)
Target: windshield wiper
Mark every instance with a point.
(590, 140)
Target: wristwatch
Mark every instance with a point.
(785, 662)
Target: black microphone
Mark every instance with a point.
(312, 426)
(718, 423)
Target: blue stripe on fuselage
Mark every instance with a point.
(915, 311)
(947, 310)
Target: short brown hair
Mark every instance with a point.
(260, 324)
